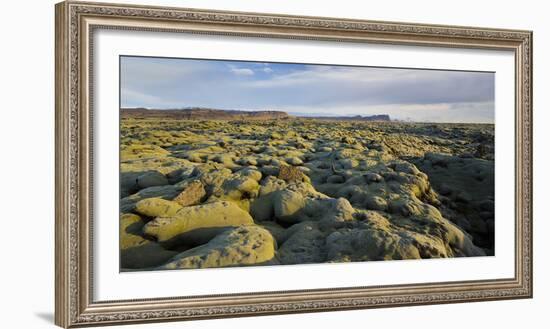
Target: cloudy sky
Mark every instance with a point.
(405, 94)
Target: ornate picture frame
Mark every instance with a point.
(76, 22)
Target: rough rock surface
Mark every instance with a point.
(137, 252)
(207, 193)
(244, 245)
(157, 207)
(152, 178)
(196, 224)
(191, 195)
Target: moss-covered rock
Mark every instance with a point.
(191, 195)
(305, 243)
(328, 191)
(291, 174)
(138, 151)
(157, 207)
(151, 178)
(197, 224)
(368, 244)
(167, 192)
(241, 246)
(287, 206)
(137, 252)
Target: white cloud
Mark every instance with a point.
(241, 71)
(132, 98)
(317, 74)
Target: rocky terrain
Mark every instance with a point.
(218, 193)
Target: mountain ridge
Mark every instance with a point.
(198, 113)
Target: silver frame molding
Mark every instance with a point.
(75, 25)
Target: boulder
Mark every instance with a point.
(128, 183)
(244, 245)
(191, 195)
(130, 227)
(167, 192)
(144, 255)
(278, 232)
(151, 178)
(271, 184)
(261, 208)
(368, 244)
(373, 177)
(241, 187)
(269, 171)
(250, 173)
(157, 207)
(177, 175)
(225, 159)
(275, 135)
(287, 205)
(335, 179)
(295, 161)
(305, 244)
(406, 167)
(348, 140)
(197, 224)
(339, 210)
(137, 252)
(291, 174)
(349, 163)
(374, 202)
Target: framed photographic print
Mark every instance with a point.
(218, 164)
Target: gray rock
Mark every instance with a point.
(367, 244)
(373, 177)
(335, 179)
(151, 178)
(295, 161)
(374, 202)
(287, 206)
(261, 208)
(305, 244)
(135, 251)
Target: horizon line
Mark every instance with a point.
(298, 114)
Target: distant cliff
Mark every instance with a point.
(215, 114)
(202, 114)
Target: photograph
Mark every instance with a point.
(217, 162)
(227, 163)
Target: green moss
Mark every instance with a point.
(211, 215)
(157, 207)
(246, 245)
